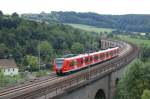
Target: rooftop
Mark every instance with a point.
(7, 63)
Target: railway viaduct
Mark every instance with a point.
(95, 82)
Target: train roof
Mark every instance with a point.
(88, 54)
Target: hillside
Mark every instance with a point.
(130, 22)
(20, 38)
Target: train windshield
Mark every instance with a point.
(59, 62)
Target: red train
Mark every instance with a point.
(66, 65)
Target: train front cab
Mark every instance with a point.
(59, 65)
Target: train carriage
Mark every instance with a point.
(65, 65)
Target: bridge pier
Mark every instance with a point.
(91, 91)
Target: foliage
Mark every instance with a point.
(145, 52)
(77, 47)
(10, 80)
(42, 17)
(46, 50)
(4, 52)
(95, 46)
(41, 73)
(1, 13)
(32, 61)
(146, 94)
(20, 37)
(1, 77)
(15, 14)
(135, 80)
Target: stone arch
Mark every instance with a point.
(117, 80)
(100, 94)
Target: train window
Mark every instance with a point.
(101, 56)
(114, 51)
(59, 62)
(106, 54)
(81, 60)
(73, 63)
(110, 53)
(86, 59)
(91, 58)
(96, 57)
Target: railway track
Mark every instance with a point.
(27, 85)
(54, 84)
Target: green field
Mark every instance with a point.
(137, 41)
(90, 28)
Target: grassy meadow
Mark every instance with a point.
(138, 41)
(90, 28)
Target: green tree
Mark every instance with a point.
(77, 47)
(1, 78)
(95, 45)
(46, 50)
(110, 35)
(145, 52)
(32, 62)
(15, 14)
(4, 52)
(1, 13)
(146, 94)
(65, 46)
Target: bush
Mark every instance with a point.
(146, 94)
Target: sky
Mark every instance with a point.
(116, 7)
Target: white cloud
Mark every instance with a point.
(99, 6)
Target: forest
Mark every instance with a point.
(22, 40)
(129, 22)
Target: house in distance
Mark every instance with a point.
(8, 67)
